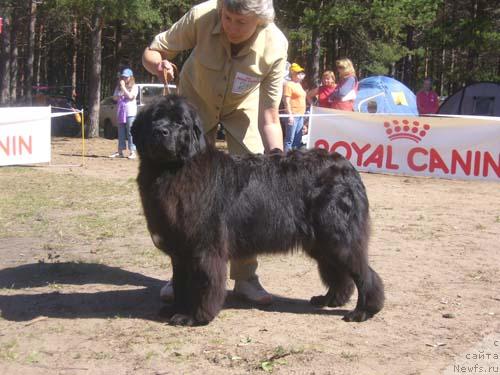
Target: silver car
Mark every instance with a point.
(108, 124)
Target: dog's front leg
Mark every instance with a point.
(200, 289)
(181, 306)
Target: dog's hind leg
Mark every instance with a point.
(370, 296)
(368, 283)
(340, 270)
(340, 285)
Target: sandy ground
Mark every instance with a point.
(435, 243)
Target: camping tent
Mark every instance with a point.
(479, 99)
(390, 95)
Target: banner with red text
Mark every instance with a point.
(24, 135)
(446, 147)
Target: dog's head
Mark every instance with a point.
(168, 130)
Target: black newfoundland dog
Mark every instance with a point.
(204, 207)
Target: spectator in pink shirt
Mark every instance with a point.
(427, 99)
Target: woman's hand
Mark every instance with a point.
(154, 63)
(165, 66)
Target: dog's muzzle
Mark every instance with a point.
(160, 133)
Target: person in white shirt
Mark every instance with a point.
(125, 95)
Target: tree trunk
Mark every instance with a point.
(39, 54)
(451, 84)
(426, 63)
(442, 73)
(118, 44)
(74, 60)
(315, 57)
(408, 76)
(472, 53)
(315, 48)
(330, 53)
(30, 54)
(336, 47)
(14, 56)
(5, 64)
(95, 72)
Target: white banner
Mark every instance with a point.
(455, 148)
(24, 135)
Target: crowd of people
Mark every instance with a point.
(339, 95)
(329, 94)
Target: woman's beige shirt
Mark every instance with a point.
(224, 88)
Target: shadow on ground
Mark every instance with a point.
(140, 303)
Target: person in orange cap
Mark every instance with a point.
(295, 106)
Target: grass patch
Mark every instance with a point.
(8, 350)
(39, 203)
(277, 358)
(33, 357)
(348, 356)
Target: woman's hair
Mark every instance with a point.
(347, 68)
(130, 83)
(263, 9)
(330, 74)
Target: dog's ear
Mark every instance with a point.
(142, 118)
(198, 136)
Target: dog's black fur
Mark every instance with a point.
(204, 207)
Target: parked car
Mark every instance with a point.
(108, 124)
(60, 100)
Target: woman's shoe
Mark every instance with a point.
(252, 291)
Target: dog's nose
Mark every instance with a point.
(161, 132)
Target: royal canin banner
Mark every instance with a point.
(459, 147)
(24, 135)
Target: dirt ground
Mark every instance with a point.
(90, 304)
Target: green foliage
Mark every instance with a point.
(382, 56)
(455, 41)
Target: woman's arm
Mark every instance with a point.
(288, 109)
(155, 63)
(311, 94)
(166, 45)
(270, 129)
(128, 93)
(347, 86)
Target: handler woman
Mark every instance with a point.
(233, 76)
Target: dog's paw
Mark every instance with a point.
(357, 316)
(332, 299)
(182, 320)
(339, 299)
(319, 301)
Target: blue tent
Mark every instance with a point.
(390, 95)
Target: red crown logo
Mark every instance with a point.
(414, 131)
